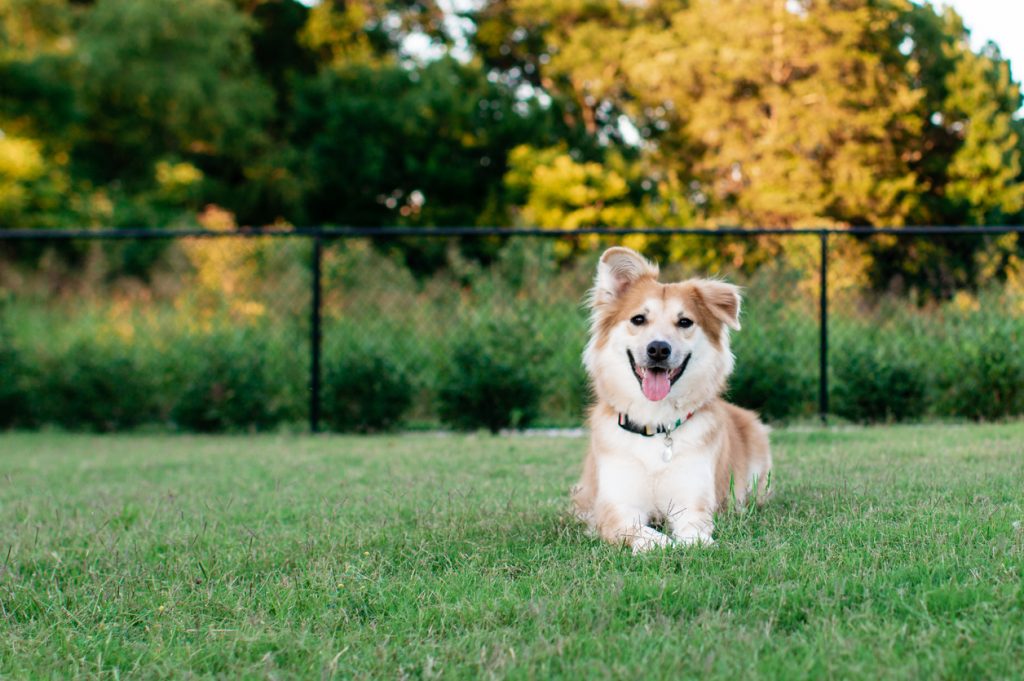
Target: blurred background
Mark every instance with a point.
(549, 114)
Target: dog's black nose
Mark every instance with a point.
(659, 351)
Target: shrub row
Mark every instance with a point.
(224, 380)
(257, 379)
(494, 373)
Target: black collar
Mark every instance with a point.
(648, 431)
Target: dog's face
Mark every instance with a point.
(658, 339)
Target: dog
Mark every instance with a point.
(664, 446)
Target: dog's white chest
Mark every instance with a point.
(657, 473)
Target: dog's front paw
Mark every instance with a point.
(698, 538)
(648, 538)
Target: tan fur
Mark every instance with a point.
(721, 453)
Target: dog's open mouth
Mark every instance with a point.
(656, 381)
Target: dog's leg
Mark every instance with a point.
(622, 525)
(691, 525)
(647, 538)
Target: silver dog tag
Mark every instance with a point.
(666, 454)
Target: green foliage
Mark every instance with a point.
(877, 378)
(342, 33)
(388, 145)
(210, 104)
(236, 380)
(559, 114)
(367, 385)
(13, 394)
(494, 378)
(473, 346)
(981, 373)
(95, 384)
(985, 172)
(967, 157)
(773, 374)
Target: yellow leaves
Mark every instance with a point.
(21, 162)
(581, 188)
(124, 330)
(558, 191)
(965, 302)
(20, 159)
(1015, 278)
(100, 205)
(249, 309)
(1000, 260)
(177, 181)
(848, 265)
(175, 176)
(563, 193)
(217, 219)
(225, 269)
(338, 31)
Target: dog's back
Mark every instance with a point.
(746, 456)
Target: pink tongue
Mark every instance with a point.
(655, 385)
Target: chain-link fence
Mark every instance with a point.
(367, 330)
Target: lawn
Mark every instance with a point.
(887, 552)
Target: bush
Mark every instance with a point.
(365, 389)
(235, 379)
(567, 392)
(877, 381)
(13, 396)
(982, 374)
(494, 379)
(94, 385)
(775, 373)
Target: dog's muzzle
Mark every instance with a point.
(657, 378)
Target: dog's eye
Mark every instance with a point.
(685, 323)
(638, 320)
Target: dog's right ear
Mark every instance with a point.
(618, 269)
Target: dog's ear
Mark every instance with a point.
(618, 269)
(722, 301)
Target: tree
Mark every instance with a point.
(343, 32)
(778, 113)
(36, 111)
(168, 79)
(985, 182)
(786, 113)
(386, 145)
(967, 157)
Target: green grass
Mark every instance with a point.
(889, 552)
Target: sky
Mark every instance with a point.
(1001, 21)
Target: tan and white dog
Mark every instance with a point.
(664, 447)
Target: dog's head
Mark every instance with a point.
(653, 340)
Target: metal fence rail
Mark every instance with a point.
(321, 236)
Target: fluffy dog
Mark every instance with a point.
(664, 447)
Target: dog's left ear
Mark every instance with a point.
(722, 300)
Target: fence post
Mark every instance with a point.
(823, 331)
(315, 337)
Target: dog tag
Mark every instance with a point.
(666, 454)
